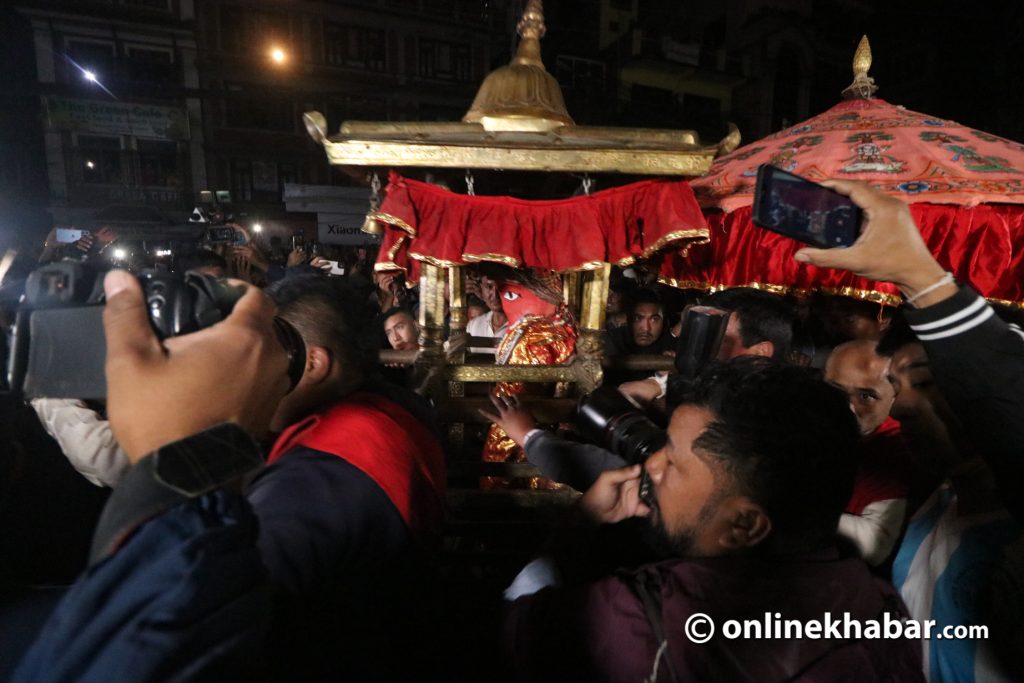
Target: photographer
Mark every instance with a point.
(177, 588)
(744, 502)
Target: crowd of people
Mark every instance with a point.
(835, 458)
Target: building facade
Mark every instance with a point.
(118, 92)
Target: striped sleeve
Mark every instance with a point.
(978, 363)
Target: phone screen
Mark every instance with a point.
(68, 235)
(804, 210)
(222, 234)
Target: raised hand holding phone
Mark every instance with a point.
(804, 210)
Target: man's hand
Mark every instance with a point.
(106, 235)
(643, 391)
(253, 256)
(234, 371)
(296, 257)
(320, 263)
(890, 247)
(615, 496)
(512, 416)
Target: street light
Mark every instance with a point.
(278, 55)
(257, 227)
(89, 75)
(90, 164)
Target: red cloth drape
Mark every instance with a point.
(427, 223)
(388, 444)
(983, 246)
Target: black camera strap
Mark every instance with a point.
(646, 584)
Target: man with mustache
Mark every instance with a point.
(743, 501)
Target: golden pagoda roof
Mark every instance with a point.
(518, 121)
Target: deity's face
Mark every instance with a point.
(518, 301)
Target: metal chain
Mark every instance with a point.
(470, 181)
(374, 192)
(588, 183)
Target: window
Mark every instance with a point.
(449, 61)
(287, 173)
(158, 163)
(259, 114)
(249, 31)
(90, 55)
(100, 159)
(241, 180)
(355, 46)
(150, 64)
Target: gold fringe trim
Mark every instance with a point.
(392, 220)
(697, 236)
(440, 263)
(497, 258)
(851, 292)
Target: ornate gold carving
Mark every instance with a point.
(481, 153)
(731, 141)
(863, 86)
(513, 373)
(391, 220)
(589, 375)
(521, 96)
(595, 298)
(316, 126)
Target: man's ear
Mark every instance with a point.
(318, 365)
(747, 524)
(762, 348)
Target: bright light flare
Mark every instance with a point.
(257, 227)
(120, 254)
(89, 75)
(90, 164)
(278, 55)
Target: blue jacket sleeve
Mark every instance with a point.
(186, 597)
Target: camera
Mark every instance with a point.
(610, 419)
(58, 348)
(701, 338)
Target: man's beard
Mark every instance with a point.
(682, 543)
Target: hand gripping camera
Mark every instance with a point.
(58, 349)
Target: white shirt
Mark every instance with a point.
(85, 438)
(480, 326)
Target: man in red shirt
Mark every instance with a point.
(875, 514)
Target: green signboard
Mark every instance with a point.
(116, 118)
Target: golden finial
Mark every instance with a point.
(521, 96)
(863, 86)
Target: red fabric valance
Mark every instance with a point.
(983, 246)
(427, 223)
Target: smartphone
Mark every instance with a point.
(70, 235)
(297, 242)
(335, 268)
(221, 234)
(804, 210)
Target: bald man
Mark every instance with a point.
(874, 516)
(863, 375)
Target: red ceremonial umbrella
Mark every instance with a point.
(965, 188)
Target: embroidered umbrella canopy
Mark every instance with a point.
(965, 187)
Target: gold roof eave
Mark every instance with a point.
(518, 122)
(468, 145)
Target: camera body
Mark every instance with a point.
(610, 419)
(58, 348)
